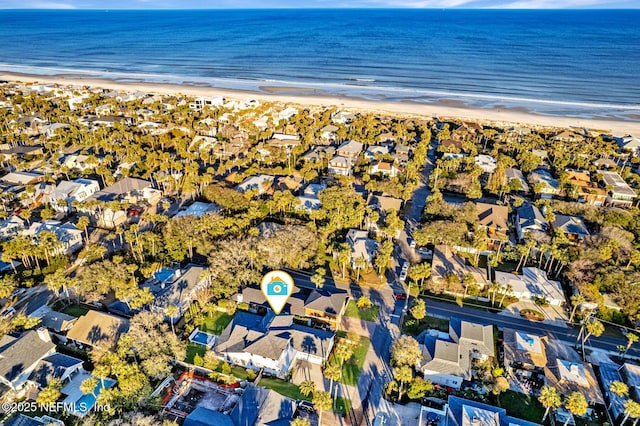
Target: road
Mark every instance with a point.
(447, 310)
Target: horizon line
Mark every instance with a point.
(492, 8)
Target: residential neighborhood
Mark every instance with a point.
(444, 272)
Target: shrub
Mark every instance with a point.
(251, 375)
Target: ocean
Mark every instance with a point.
(583, 63)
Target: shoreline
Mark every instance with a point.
(502, 116)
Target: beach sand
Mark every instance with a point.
(312, 97)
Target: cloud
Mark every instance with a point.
(51, 5)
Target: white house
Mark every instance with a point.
(531, 284)
(287, 113)
(203, 101)
(10, 227)
(69, 236)
(259, 182)
(487, 163)
(67, 192)
(340, 165)
(384, 168)
(362, 247)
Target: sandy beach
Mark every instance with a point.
(313, 97)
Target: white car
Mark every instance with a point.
(411, 242)
(403, 275)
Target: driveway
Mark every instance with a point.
(554, 315)
(305, 370)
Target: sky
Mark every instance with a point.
(268, 4)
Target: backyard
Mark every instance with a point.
(352, 368)
(75, 310)
(216, 323)
(526, 407)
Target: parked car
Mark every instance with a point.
(306, 406)
(400, 296)
(134, 211)
(411, 242)
(405, 266)
(18, 292)
(403, 275)
(425, 253)
(8, 313)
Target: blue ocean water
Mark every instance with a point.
(577, 62)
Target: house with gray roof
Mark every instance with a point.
(447, 359)
(530, 219)
(263, 407)
(610, 373)
(97, 329)
(620, 193)
(572, 226)
(272, 343)
(19, 356)
(362, 247)
(465, 412)
(55, 366)
(514, 174)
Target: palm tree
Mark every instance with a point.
(299, 421)
(318, 280)
(506, 291)
(171, 312)
(550, 399)
(594, 328)
(307, 387)
(576, 404)
(83, 224)
(333, 373)
(576, 301)
(88, 386)
(321, 402)
(343, 351)
(631, 409)
(631, 339)
(619, 388)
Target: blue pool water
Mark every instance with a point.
(201, 338)
(163, 274)
(86, 402)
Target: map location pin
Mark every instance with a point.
(277, 286)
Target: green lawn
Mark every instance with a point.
(524, 407)
(216, 323)
(75, 310)
(287, 389)
(192, 350)
(370, 314)
(352, 368)
(292, 391)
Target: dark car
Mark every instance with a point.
(306, 406)
(134, 211)
(400, 296)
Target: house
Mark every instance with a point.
(93, 121)
(530, 219)
(620, 194)
(55, 366)
(349, 149)
(308, 203)
(374, 152)
(494, 220)
(465, 412)
(261, 183)
(287, 113)
(318, 153)
(516, 175)
(180, 290)
(127, 190)
(628, 143)
(487, 163)
(570, 376)
(342, 117)
(318, 307)
(67, 234)
(384, 204)
(446, 263)
(66, 193)
(385, 168)
(340, 165)
(447, 359)
(97, 329)
(610, 373)
(572, 226)
(605, 163)
(10, 227)
(524, 352)
(57, 322)
(79, 162)
(544, 185)
(401, 154)
(271, 343)
(23, 178)
(202, 102)
(198, 209)
(19, 357)
(24, 420)
(260, 406)
(328, 132)
(362, 247)
(586, 191)
(532, 284)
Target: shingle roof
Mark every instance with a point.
(122, 187)
(96, 329)
(53, 367)
(328, 302)
(17, 354)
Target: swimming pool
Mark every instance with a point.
(202, 338)
(164, 274)
(87, 401)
